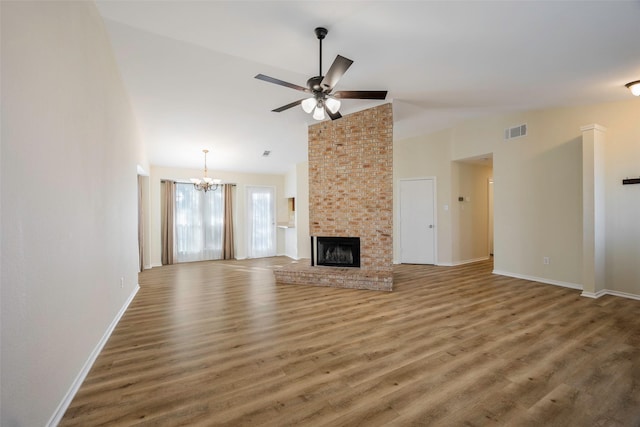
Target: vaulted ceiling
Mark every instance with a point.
(189, 66)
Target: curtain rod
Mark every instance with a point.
(233, 184)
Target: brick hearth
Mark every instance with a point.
(351, 195)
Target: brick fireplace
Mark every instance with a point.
(351, 195)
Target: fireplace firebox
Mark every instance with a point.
(338, 251)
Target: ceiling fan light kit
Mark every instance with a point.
(634, 87)
(332, 104)
(322, 99)
(318, 113)
(309, 104)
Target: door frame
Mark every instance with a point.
(274, 216)
(435, 214)
(490, 213)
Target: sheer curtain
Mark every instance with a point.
(199, 219)
(261, 225)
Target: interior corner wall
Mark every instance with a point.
(242, 180)
(290, 233)
(302, 210)
(70, 151)
(538, 188)
(422, 157)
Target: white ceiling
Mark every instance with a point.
(189, 66)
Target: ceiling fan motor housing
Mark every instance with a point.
(314, 83)
(321, 32)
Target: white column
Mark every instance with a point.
(593, 211)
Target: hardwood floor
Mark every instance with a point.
(219, 343)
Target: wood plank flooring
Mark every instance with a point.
(219, 343)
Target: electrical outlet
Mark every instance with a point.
(122, 282)
(546, 260)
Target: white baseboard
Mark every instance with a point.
(77, 382)
(584, 293)
(539, 279)
(610, 292)
(469, 261)
(290, 256)
(622, 294)
(593, 295)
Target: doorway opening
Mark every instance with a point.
(472, 212)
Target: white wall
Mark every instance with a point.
(290, 234)
(538, 189)
(302, 210)
(242, 180)
(69, 229)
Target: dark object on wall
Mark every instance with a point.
(312, 251)
(631, 181)
(338, 251)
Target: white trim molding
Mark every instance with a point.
(539, 279)
(610, 292)
(593, 295)
(469, 261)
(584, 293)
(622, 294)
(77, 382)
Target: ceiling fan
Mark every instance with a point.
(320, 88)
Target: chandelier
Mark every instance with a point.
(205, 183)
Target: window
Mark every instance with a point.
(198, 224)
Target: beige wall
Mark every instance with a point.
(538, 189)
(70, 152)
(242, 180)
(423, 157)
(470, 217)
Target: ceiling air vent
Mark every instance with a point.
(515, 132)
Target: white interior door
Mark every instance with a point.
(417, 221)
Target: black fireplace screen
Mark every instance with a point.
(338, 251)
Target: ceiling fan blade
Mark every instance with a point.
(286, 107)
(333, 116)
(361, 94)
(338, 68)
(281, 82)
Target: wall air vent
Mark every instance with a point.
(515, 132)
